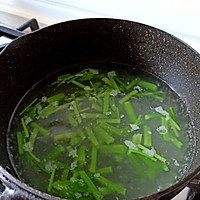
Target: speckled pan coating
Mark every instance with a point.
(30, 58)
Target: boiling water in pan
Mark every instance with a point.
(132, 181)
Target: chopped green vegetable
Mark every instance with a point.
(26, 132)
(93, 162)
(147, 136)
(91, 135)
(147, 85)
(40, 129)
(128, 96)
(130, 111)
(103, 135)
(95, 192)
(105, 170)
(51, 178)
(113, 186)
(20, 142)
(55, 153)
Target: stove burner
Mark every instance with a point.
(13, 34)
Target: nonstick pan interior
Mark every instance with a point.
(30, 58)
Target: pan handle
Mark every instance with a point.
(194, 185)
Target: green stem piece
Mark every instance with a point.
(147, 136)
(153, 116)
(93, 162)
(105, 104)
(40, 129)
(28, 107)
(137, 139)
(76, 111)
(106, 138)
(110, 128)
(130, 111)
(92, 188)
(64, 136)
(105, 170)
(91, 136)
(109, 184)
(33, 136)
(148, 85)
(112, 121)
(51, 178)
(56, 97)
(55, 153)
(25, 128)
(20, 142)
(114, 84)
(132, 83)
(128, 96)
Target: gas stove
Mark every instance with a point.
(11, 29)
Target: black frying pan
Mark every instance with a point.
(32, 57)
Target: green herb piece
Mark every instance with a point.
(140, 153)
(40, 129)
(28, 107)
(148, 85)
(72, 120)
(132, 83)
(106, 138)
(97, 107)
(130, 111)
(20, 142)
(65, 174)
(111, 128)
(50, 109)
(113, 149)
(75, 140)
(165, 127)
(153, 116)
(138, 119)
(107, 81)
(51, 179)
(122, 84)
(172, 113)
(147, 136)
(161, 158)
(33, 136)
(62, 79)
(93, 116)
(78, 84)
(93, 162)
(64, 136)
(55, 153)
(25, 128)
(91, 135)
(112, 121)
(109, 184)
(76, 111)
(81, 134)
(150, 94)
(114, 84)
(33, 157)
(105, 104)
(175, 127)
(81, 159)
(92, 188)
(137, 139)
(105, 170)
(56, 97)
(136, 163)
(128, 96)
(176, 142)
